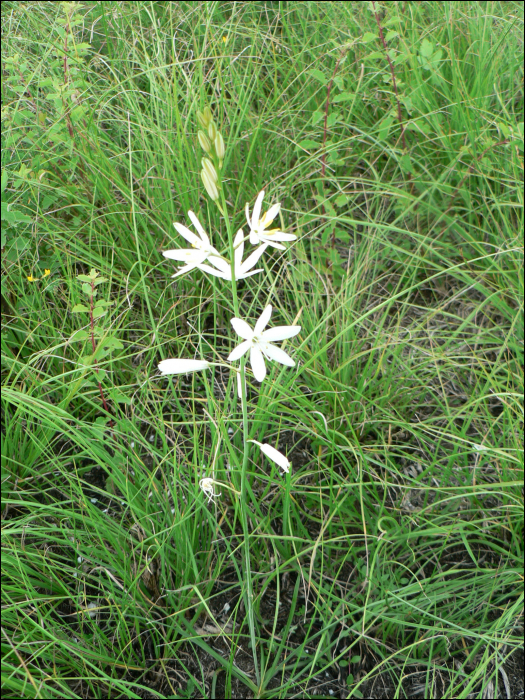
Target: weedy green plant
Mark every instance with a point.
(45, 116)
(102, 342)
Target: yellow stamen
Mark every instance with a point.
(47, 272)
(30, 278)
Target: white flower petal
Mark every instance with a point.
(187, 255)
(263, 320)
(254, 237)
(182, 366)
(251, 260)
(277, 354)
(242, 328)
(206, 485)
(247, 211)
(184, 269)
(280, 333)
(244, 275)
(187, 234)
(276, 456)
(222, 264)
(216, 260)
(256, 215)
(269, 241)
(212, 271)
(257, 363)
(271, 214)
(239, 351)
(198, 226)
(280, 236)
(239, 238)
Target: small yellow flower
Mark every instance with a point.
(30, 278)
(225, 39)
(47, 272)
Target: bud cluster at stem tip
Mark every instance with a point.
(212, 143)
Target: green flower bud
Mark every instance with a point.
(202, 121)
(212, 130)
(219, 146)
(208, 166)
(211, 187)
(204, 142)
(208, 116)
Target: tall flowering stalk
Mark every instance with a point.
(204, 258)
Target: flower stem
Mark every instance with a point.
(248, 602)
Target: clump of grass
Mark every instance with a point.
(396, 559)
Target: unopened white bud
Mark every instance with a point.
(212, 130)
(207, 115)
(182, 366)
(209, 184)
(219, 146)
(204, 142)
(210, 169)
(202, 121)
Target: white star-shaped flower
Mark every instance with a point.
(259, 232)
(201, 248)
(259, 343)
(242, 269)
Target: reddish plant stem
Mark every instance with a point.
(323, 158)
(93, 345)
(392, 72)
(66, 78)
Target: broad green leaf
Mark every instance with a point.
(98, 312)
(83, 278)
(375, 55)
(406, 164)
(99, 374)
(309, 144)
(13, 216)
(344, 97)
(384, 127)
(426, 49)
(119, 397)
(79, 335)
(112, 342)
(318, 75)
(80, 308)
(85, 361)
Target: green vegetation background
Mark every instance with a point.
(394, 550)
